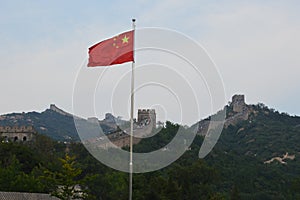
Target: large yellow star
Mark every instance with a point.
(125, 39)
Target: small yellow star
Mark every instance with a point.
(125, 39)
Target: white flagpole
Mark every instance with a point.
(131, 117)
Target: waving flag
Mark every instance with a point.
(115, 50)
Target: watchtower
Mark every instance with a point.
(238, 103)
(17, 133)
(146, 117)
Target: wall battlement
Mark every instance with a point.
(17, 129)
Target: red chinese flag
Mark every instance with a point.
(116, 50)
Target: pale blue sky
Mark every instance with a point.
(255, 45)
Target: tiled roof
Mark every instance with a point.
(25, 196)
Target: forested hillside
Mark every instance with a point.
(237, 168)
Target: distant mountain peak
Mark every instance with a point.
(54, 108)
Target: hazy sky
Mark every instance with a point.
(255, 45)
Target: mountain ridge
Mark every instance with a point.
(58, 124)
(54, 122)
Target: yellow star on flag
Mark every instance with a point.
(125, 39)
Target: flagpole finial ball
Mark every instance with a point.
(133, 20)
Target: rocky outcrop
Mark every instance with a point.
(281, 160)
